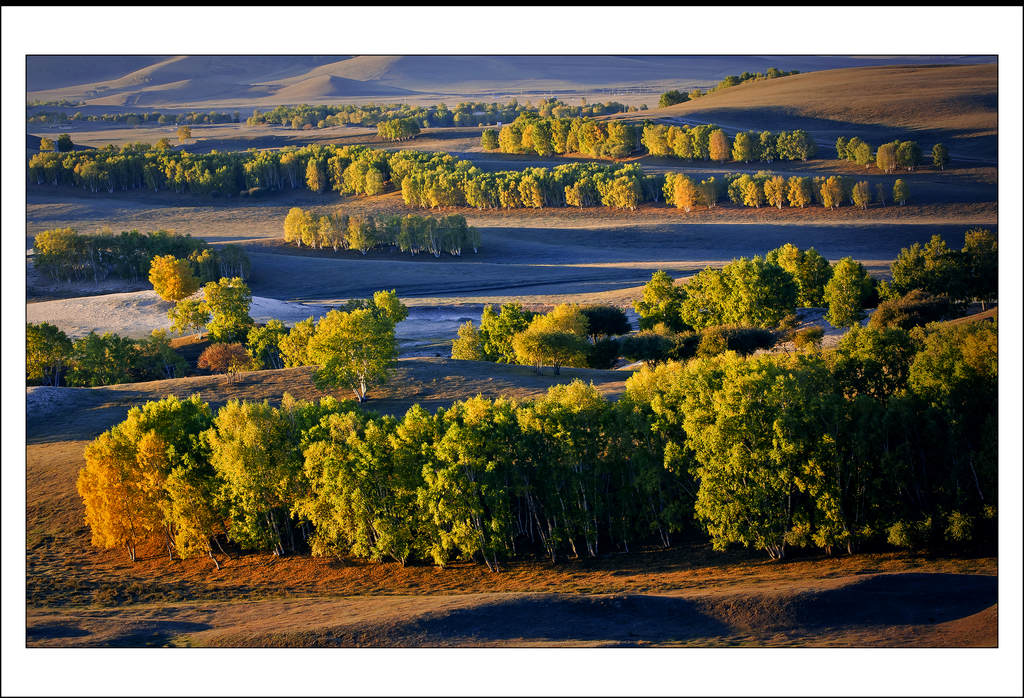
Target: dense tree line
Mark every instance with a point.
(440, 180)
(426, 180)
(450, 183)
(438, 115)
(66, 255)
(51, 358)
(709, 142)
(398, 129)
(889, 439)
(531, 133)
(410, 234)
(766, 189)
(135, 118)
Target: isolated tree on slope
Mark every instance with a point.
(352, 350)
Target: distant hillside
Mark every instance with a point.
(957, 104)
(183, 81)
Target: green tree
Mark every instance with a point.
(102, 360)
(189, 315)
(47, 353)
(264, 344)
(46, 145)
(841, 148)
(671, 97)
(751, 292)
(873, 362)
(900, 192)
(744, 147)
(253, 450)
(228, 302)
(352, 350)
(64, 143)
(766, 146)
(498, 328)
(538, 346)
(908, 154)
(468, 346)
(362, 234)
(846, 293)
(940, 156)
(646, 345)
(294, 345)
(809, 270)
(980, 255)
(752, 425)
(362, 498)
(661, 303)
(489, 139)
(605, 321)
(155, 358)
(862, 195)
(862, 154)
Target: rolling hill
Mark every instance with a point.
(956, 104)
(194, 81)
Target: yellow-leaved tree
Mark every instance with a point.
(172, 278)
(121, 485)
(142, 479)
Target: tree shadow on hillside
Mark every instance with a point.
(882, 601)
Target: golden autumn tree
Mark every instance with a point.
(719, 149)
(124, 482)
(121, 485)
(172, 278)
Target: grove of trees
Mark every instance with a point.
(410, 234)
(398, 129)
(887, 440)
(889, 156)
(51, 358)
(694, 143)
(568, 335)
(63, 254)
